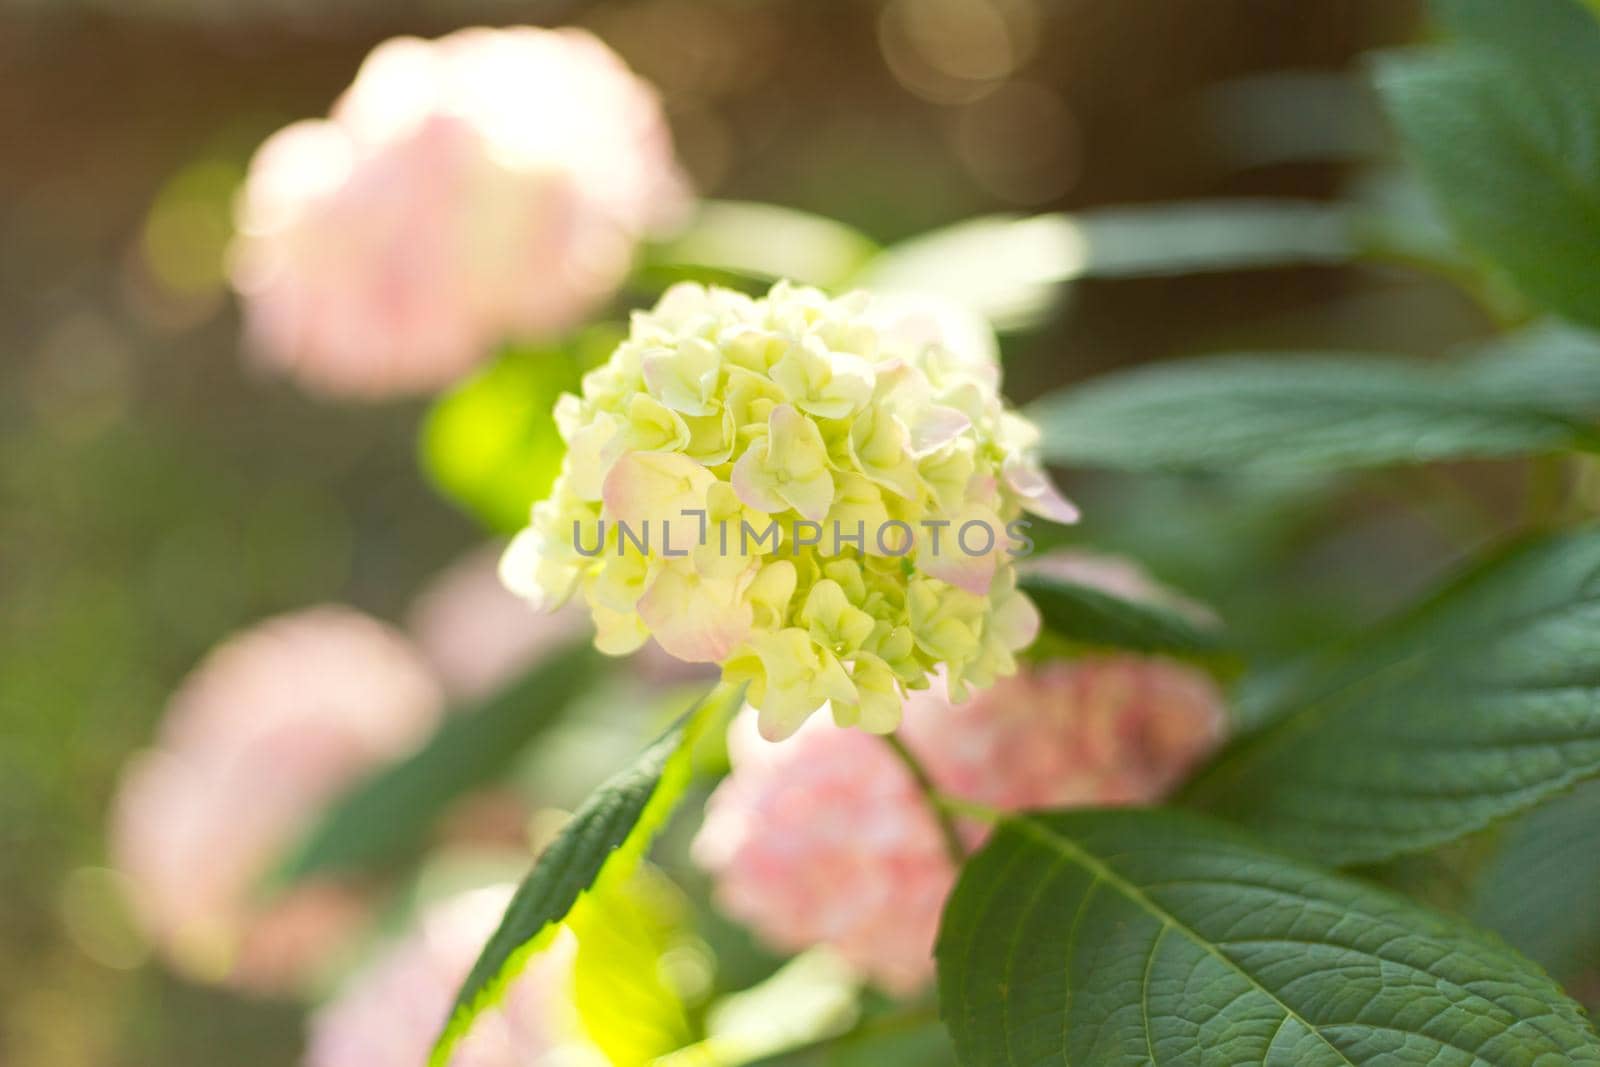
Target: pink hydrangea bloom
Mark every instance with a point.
(486, 184)
(477, 634)
(268, 728)
(391, 1013)
(1095, 731)
(824, 838)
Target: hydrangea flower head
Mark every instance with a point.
(267, 730)
(825, 839)
(818, 494)
(487, 184)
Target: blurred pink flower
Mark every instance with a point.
(1096, 731)
(487, 184)
(478, 635)
(391, 1013)
(262, 734)
(824, 838)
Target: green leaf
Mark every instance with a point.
(490, 444)
(1011, 268)
(391, 812)
(1534, 32)
(1150, 937)
(1505, 128)
(626, 1005)
(1538, 892)
(1087, 616)
(809, 1002)
(1300, 413)
(1549, 366)
(764, 241)
(606, 839)
(1476, 706)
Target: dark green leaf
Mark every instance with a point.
(606, 838)
(1472, 708)
(1289, 412)
(1505, 127)
(1088, 616)
(1148, 937)
(390, 813)
(1539, 890)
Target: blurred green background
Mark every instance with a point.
(157, 495)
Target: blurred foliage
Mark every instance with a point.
(396, 810)
(796, 245)
(1538, 889)
(1013, 270)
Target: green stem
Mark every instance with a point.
(1545, 493)
(930, 793)
(968, 809)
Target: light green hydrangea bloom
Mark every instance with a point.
(820, 495)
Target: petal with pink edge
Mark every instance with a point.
(695, 620)
(1038, 493)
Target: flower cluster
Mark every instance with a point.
(826, 838)
(486, 184)
(392, 1012)
(267, 730)
(817, 494)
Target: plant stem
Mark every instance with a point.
(1545, 492)
(968, 809)
(941, 812)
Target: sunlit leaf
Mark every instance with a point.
(605, 839)
(1011, 269)
(811, 999)
(1150, 937)
(765, 241)
(490, 444)
(392, 812)
(1474, 707)
(625, 932)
